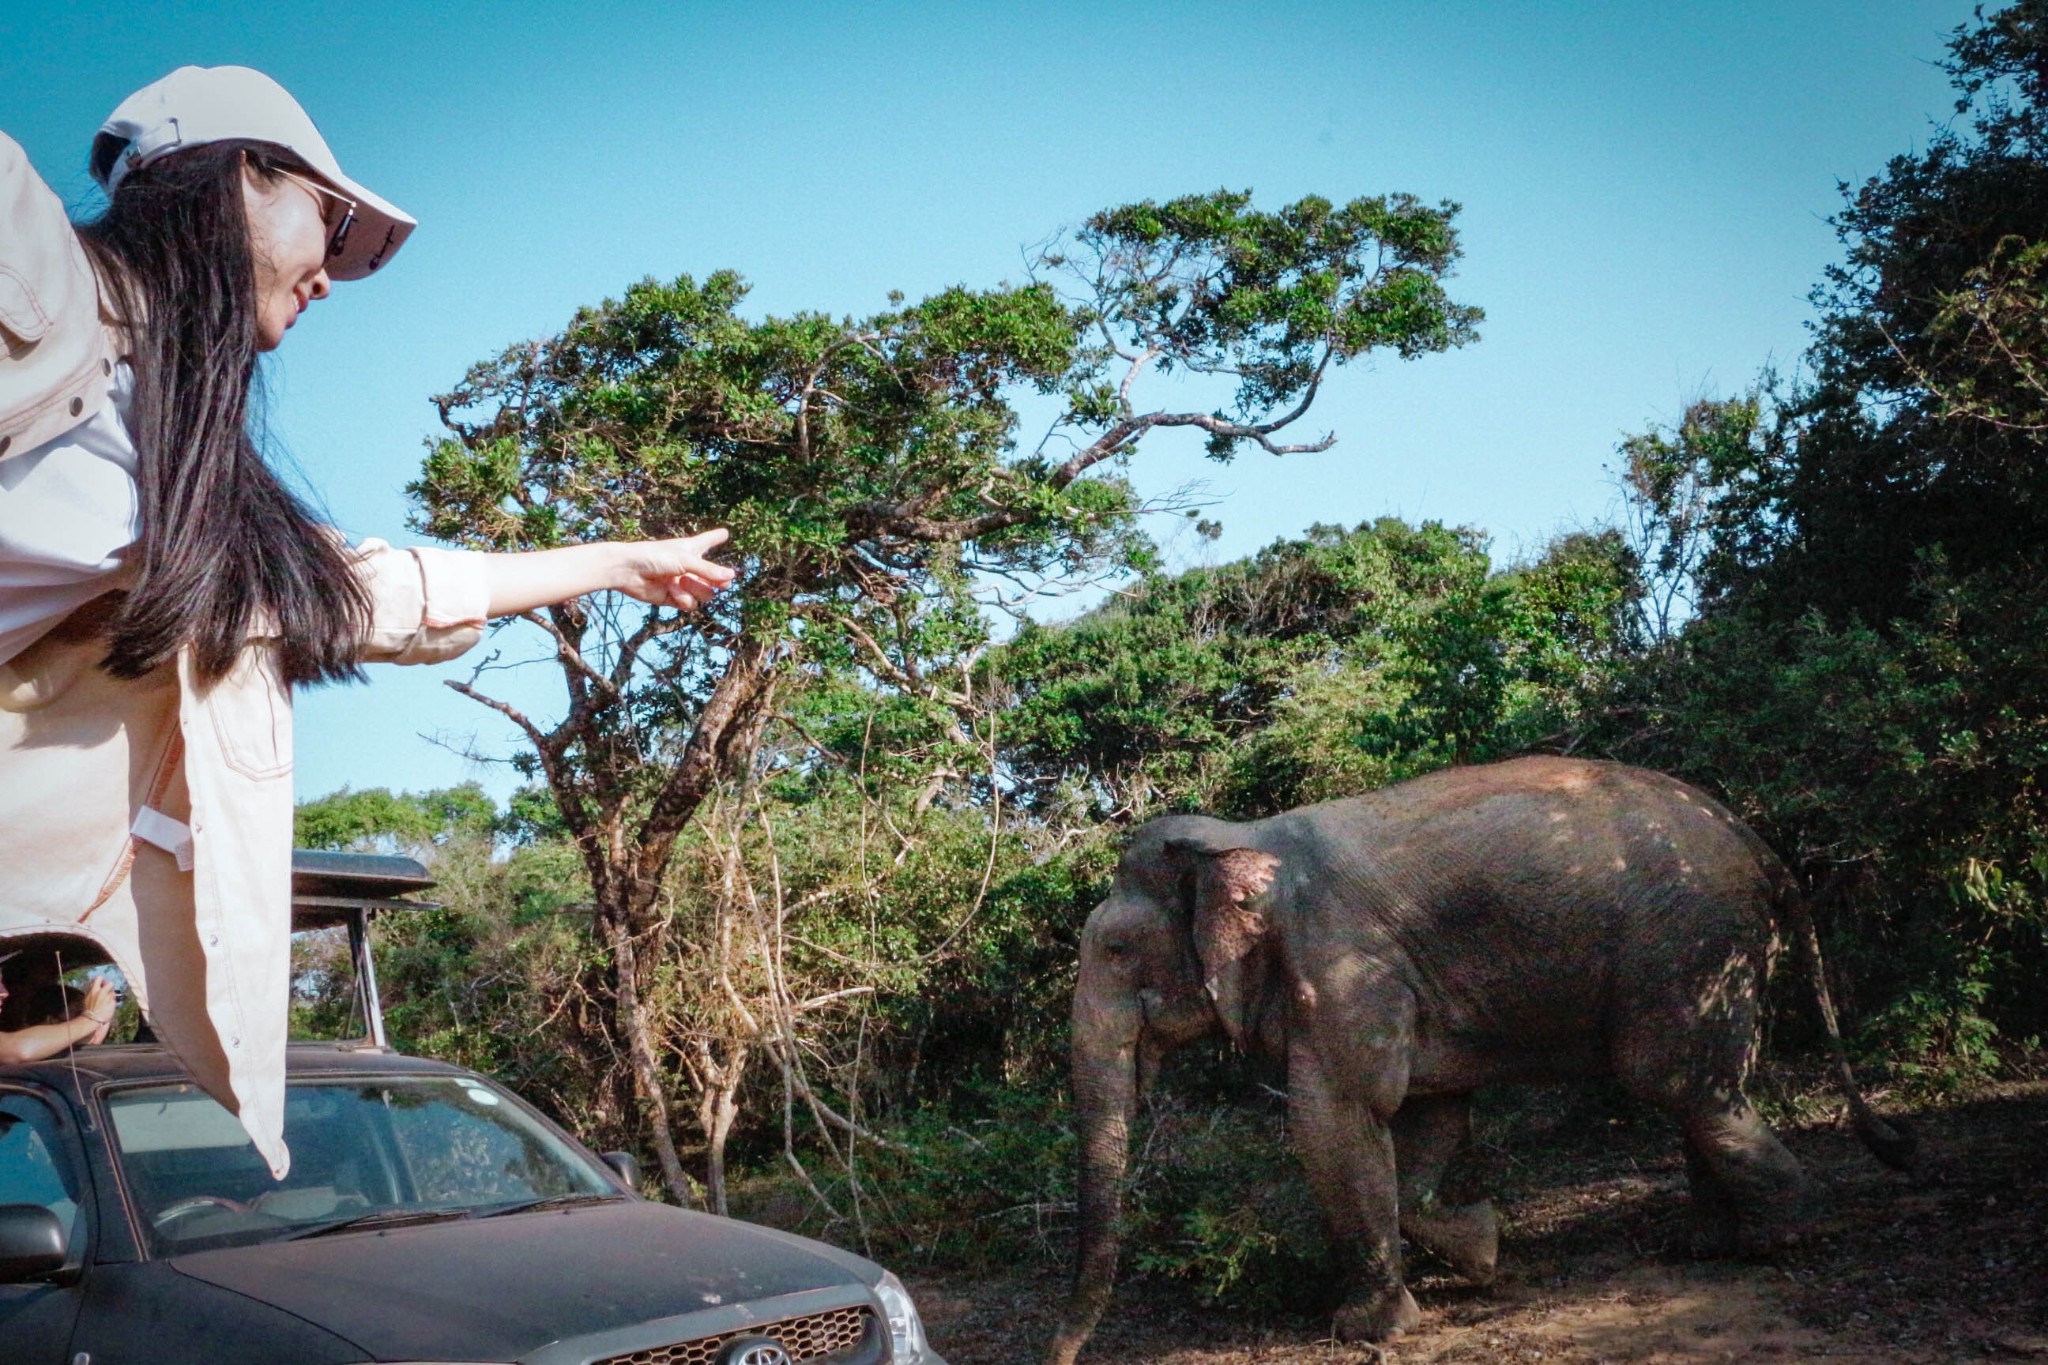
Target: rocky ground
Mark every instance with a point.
(1948, 1264)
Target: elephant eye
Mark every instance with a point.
(1118, 951)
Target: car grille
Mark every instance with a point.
(818, 1337)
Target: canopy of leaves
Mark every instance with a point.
(1208, 284)
(1865, 677)
(1320, 666)
(1916, 429)
(380, 820)
(871, 469)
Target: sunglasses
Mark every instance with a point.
(338, 237)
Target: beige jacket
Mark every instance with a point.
(154, 817)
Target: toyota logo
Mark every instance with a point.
(754, 1351)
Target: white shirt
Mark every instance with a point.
(69, 510)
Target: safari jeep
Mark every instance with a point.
(430, 1216)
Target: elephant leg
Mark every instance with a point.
(1347, 1151)
(1429, 1132)
(1756, 1177)
(1713, 1212)
(1687, 1042)
(1748, 1190)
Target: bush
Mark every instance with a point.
(1215, 1198)
(966, 1193)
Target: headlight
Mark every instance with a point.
(906, 1333)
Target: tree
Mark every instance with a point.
(1862, 679)
(871, 473)
(1321, 666)
(1983, 354)
(1694, 504)
(1914, 430)
(380, 820)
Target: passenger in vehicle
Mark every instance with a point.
(163, 589)
(39, 1041)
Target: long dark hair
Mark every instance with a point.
(225, 544)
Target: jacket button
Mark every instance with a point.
(106, 365)
(5, 441)
(77, 406)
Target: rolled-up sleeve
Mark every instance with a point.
(426, 605)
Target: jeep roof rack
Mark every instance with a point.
(331, 890)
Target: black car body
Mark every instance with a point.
(430, 1216)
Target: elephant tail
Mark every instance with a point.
(1889, 1140)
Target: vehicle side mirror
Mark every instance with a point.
(626, 1167)
(31, 1242)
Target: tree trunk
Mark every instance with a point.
(717, 1110)
(632, 1021)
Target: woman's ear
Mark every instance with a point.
(1231, 924)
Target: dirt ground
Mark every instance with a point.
(1948, 1264)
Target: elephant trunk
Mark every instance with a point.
(1106, 1069)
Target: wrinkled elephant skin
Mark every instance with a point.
(1539, 920)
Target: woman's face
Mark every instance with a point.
(288, 235)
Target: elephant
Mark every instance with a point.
(1542, 919)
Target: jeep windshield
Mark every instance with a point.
(370, 1153)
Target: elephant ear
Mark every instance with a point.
(1231, 924)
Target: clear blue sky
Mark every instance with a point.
(1645, 190)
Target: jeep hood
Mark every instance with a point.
(501, 1288)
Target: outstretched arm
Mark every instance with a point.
(47, 1040)
(665, 573)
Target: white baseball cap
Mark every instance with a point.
(200, 104)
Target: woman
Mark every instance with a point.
(37, 1042)
(162, 591)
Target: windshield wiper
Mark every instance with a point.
(383, 1218)
(547, 1202)
(393, 1218)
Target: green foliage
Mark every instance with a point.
(498, 978)
(1989, 338)
(1937, 1028)
(1209, 284)
(868, 466)
(983, 1181)
(826, 709)
(379, 820)
(1886, 467)
(1330, 664)
(1218, 1203)
(1696, 509)
(1506, 662)
(1891, 764)
(1981, 356)
(1866, 552)
(1218, 1251)
(986, 1181)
